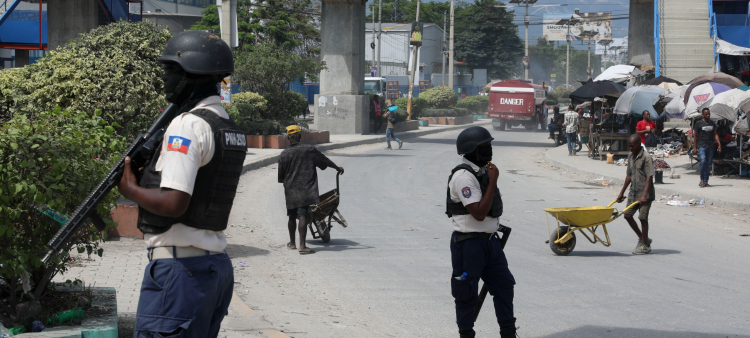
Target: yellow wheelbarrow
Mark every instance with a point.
(562, 240)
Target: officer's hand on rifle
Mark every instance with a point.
(492, 171)
(128, 181)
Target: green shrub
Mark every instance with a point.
(52, 160)
(446, 112)
(256, 102)
(113, 68)
(418, 105)
(440, 97)
(476, 104)
(263, 127)
(284, 106)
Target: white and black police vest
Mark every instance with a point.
(215, 184)
(457, 208)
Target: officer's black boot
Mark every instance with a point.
(508, 332)
(466, 333)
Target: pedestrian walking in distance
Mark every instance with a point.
(377, 112)
(704, 134)
(474, 205)
(640, 177)
(390, 131)
(297, 172)
(185, 195)
(645, 126)
(572, 121)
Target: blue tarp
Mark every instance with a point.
(734, 28)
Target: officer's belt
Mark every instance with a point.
(177, 252)
(469, 235)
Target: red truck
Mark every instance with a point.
(516, 103)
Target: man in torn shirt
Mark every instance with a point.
(297, 172)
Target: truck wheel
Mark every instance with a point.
(500, 127)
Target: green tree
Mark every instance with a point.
(268, 69)
(292, 25)
(489, 40)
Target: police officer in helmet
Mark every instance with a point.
(474, 206)
(185, 195)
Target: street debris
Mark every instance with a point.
(243, 264)
(689, 214)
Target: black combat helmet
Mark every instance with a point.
(469, 139)
(199, 53)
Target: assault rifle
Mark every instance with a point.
(483, 294)
(140, 152)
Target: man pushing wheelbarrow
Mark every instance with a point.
(639, 177)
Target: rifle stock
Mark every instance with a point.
(140, 152)
(483, 294)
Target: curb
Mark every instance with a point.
(253, 319)
(99, 327)
(272, 159)
(662, 190)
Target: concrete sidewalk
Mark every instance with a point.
(257, 158)
(725, 191)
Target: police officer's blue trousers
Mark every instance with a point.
(481, 258)
(184, 297)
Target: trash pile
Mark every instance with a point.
(674, 200)
(622, 162)
(660, 164)
(667, 149)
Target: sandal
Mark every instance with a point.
(306, 251)
(706, 185)
(291, 246)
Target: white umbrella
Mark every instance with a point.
(725, 105)
(699, 95)
(619, 73)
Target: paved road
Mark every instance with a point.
(387, 274)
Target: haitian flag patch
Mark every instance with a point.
(466, 192)
(177, 143)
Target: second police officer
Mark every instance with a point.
(186, 194)
(474, 205)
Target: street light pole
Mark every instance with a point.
(414, 68)
(567, 61)
(450, 50)
(380, 32)
(526, 48)
(442, 47)
(372, 45)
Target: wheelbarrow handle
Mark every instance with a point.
(613, 202)
(338, 173)
(628, 208)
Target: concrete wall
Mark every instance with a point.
(69, 18)
(641, 33)
(171, 7)
(342, 47)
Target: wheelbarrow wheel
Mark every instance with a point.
(564, 248)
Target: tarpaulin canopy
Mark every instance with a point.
(725, 105)
(662, 79)
(595, 89)
(700, 95)
(638, 99)
(619, 73)
(725, 79)
(726, 48)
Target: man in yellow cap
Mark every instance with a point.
(297, 172)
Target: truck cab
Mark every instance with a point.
(376, 86)
(516, 103)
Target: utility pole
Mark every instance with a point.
(568, 22)
(380, 32)
(450, 50)
(415, 64)
(442, 47)
(372, 45)
(526, 19)
(589, 35)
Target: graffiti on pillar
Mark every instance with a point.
(335, 111)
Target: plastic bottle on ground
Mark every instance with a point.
(65, 316)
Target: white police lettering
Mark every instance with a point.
(235, 139)
(514, 102)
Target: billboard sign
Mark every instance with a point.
(597, 22)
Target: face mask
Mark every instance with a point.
(172, 77)
(484, 153)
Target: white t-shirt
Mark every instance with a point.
(188, 145)
(464, 187)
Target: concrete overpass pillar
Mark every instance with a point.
(341, 106)
(22, 58)
(66, 19)
(641, 33)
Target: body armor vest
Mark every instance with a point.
(215, 184)
(457, 208)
